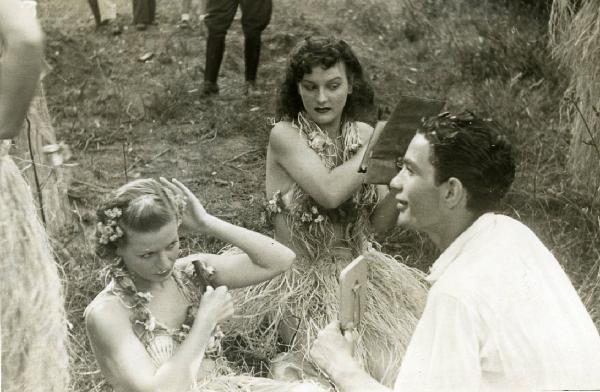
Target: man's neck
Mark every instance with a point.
(454, 226)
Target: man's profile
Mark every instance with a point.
(501, 314)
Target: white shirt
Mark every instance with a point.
(501, 315)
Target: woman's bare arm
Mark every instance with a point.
(263, 257)
(329, 187)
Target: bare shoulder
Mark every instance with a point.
(283, 136)
(365, 130)
(105, 314)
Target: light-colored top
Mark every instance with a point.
(501, 315)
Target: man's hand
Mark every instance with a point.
(332, 351)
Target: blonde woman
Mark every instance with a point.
(155, 327)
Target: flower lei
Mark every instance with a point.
(311, 220)
(138, 302)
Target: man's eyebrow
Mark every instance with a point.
(411, 163)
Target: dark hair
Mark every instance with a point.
(143, 205)
(473, 150)
(325, 52)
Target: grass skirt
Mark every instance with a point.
(254, 384)
(396, 296)
(223, 378)
(34, 354)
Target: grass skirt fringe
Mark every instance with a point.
(396, 296)
(34, 354)
(254, 384)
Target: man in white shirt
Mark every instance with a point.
(501, 314)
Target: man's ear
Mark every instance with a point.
(455, 193)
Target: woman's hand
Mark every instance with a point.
(195, 217)
(216, 304)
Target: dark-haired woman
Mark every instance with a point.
(321, 209)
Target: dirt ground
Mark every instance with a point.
(125, 118)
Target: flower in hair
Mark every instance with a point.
(113, 213)
(109, 231)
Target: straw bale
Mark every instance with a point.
(34, 353)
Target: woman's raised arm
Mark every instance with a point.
(329, 187)
(263, 257)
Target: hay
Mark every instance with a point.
(255, 384)
(575, 42)
(395, 299)
(326, 241)
(34, 354)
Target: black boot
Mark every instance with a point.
(143, 12)
(251, 55)
(215, 48)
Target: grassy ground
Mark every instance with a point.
(125, 119)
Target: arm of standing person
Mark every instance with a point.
(329, 187)
(22, 42)
(124, 360)
(263, 257)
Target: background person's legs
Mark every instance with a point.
(96, 11)
(143, 12)
(256, 15)
(220, 14)
(185, 12)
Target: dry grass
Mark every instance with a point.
(575, 33)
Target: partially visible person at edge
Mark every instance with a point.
(21, 48)
(143, 11)
(256, 15)
(186, 6)
(155, 326)
(501, 314)
(33, 323)
(321, 209)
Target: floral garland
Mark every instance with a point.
(138, 302)
(311, 221)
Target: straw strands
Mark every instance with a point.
(34, 354)
(255, 384)
(308, 292)
(575, 41)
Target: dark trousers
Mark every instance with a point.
(144, 11)
(96, 11)
(256, 15)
